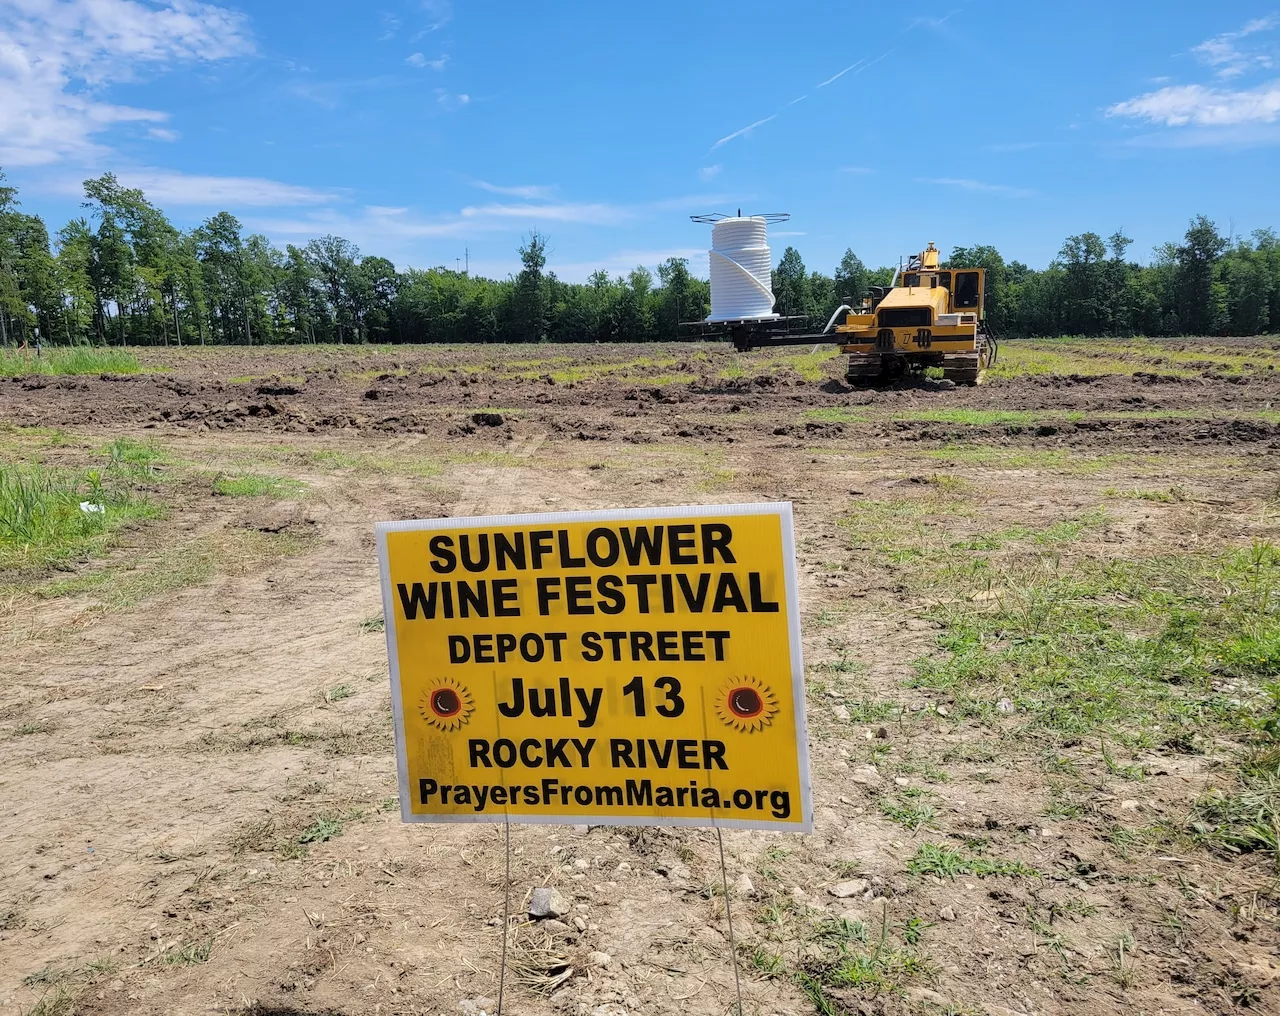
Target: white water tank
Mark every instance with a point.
(741, 270)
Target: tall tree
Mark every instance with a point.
(12, 309)
(851, 278)
(530, 324)
(790, 285)
(220, 248)
(334, 260)
(1201, 300)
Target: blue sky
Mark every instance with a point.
(420, 128)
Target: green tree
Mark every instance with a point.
(996, 299)
(530, 304)
(13, 311)
(334, 260)
(1201, 298)
(37, 274)
(790, 285)
(851, 279)
(220, 248)
(679, 300)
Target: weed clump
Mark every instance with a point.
(68, 360)
(49, 514)
(255, 485)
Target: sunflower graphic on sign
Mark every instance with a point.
(746, 704)
(446, 704)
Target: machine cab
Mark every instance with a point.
(966, 287)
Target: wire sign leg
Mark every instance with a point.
(506, 913)
(728, 913)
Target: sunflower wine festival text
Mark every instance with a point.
(628, 667)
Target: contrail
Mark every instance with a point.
(859, 67)
(745, 130)
(837, 76)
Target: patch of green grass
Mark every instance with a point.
(256, 485)
(226, 552)
(137, 457)
(911, 808)
(973, 417)
(339, 692)
(768, 963)
(190, 954)
(323, 829)
(810, 366)
(49, 514)
(59, 1002)
(58, 360)
(1161, 496)
(1246, 816)
(913, 930)
(846, 958)
(1096, 357)
(373, 623)
(947, 862)
(1112, 659)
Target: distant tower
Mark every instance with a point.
(741, 265)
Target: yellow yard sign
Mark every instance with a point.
(637, 667)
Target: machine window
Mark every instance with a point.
(966, 291)
(944, 279)
(911, 279)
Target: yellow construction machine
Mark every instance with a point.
(928, 316)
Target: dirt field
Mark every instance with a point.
(1041, 632)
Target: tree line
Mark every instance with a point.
(123, 274)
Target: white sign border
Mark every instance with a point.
(780, 508)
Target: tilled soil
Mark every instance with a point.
(161, 764)
(398, 394)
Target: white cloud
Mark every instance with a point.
(166, 187)
(977, 186)
(1179, 105)
(529, 191)
(374, 223)
(596, 214)
(450, 101)
(709, 172)
(390, 26)
(58, 56)
(743, 130)
(438, 12)
(933, 24)
(789, 232)
(1228, 58)
(162, 134)
(418, 60)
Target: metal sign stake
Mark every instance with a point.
(506, 915)
(728, 913)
